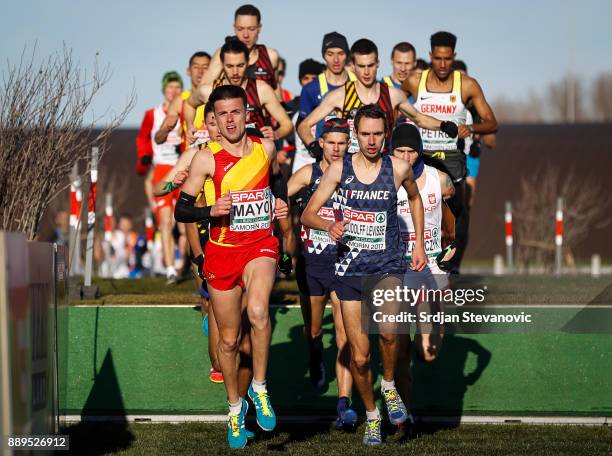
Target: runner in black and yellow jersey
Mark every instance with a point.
(366, 90)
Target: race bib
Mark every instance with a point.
(432, 240)
(321, 236)
(251, 210)
(366, 230)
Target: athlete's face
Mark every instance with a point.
(334, 145)
(212, 127)
(231, 117)
(307, 78)
(403, 64)
(335, 59)
(407, 154)
(173, 89)
(247, 30)
(234, 66)
(197, 69)
(442, 59)
(366, 67)
(371, 136)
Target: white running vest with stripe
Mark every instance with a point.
(165, 154)
(431, 194)
(442, 106)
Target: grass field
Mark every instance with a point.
(200, 438)
(565, 381)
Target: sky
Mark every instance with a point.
(511, 48)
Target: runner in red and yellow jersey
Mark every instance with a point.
(242, 252)
(198, 65)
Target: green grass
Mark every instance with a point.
(202, 438)
(570, 289)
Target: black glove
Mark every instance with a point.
(475, 149)
(146, 160)
(450, 128)
(284, 263)
(199, 262)
(315, 150)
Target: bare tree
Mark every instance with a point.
(602, 97)
(584, 210)
(43, 132)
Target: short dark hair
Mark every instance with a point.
(227, 92)
(233, 45)
(284, 62)
(364, 47)
(460, 66)
(208, 108)
(421, 65)
(248, 10)
(199, 54)
(371, 111)
(444, 39)
(404, 46)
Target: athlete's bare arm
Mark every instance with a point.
(299, 180)
(446, 185)
(472, 93)
(329, 183)
(214, 69)
(410, 86)
(197, 98)
(402, 172)
(273, 54)
(398, 100)
(172, 117)
(332, 101)
(181, 166)
(272, 105)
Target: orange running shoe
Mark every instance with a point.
(215, 376)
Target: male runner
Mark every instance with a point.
(335, 52)
(367, 183)
(446, 93)
(366, 90)
(434, 187)
(403, 59)
(315, 273)
(163, 157)
(242, 252)
(198, 65)
(261, 60)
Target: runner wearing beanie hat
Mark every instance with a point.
(334, 40)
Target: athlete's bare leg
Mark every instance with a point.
(213, 339)
(343, 355)
(471, 184)
(360, 352)
(403, 373)
(226, 306)
(258, 277)
(165, 228)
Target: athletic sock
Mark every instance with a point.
(386, 386)
(373, 415)
(259, 387)
(235, 409)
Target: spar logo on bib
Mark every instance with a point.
(366, 229)
(251, 210)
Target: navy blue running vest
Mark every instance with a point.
(372, 243)
(317, 242)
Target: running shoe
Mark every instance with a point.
(236, 432)
(395, 407)
(205, 325)
(372, 432)
(347, 418)
(285, 265)
(215, 376)
(171, 279)
(266, 419)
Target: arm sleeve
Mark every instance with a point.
(144, 147)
